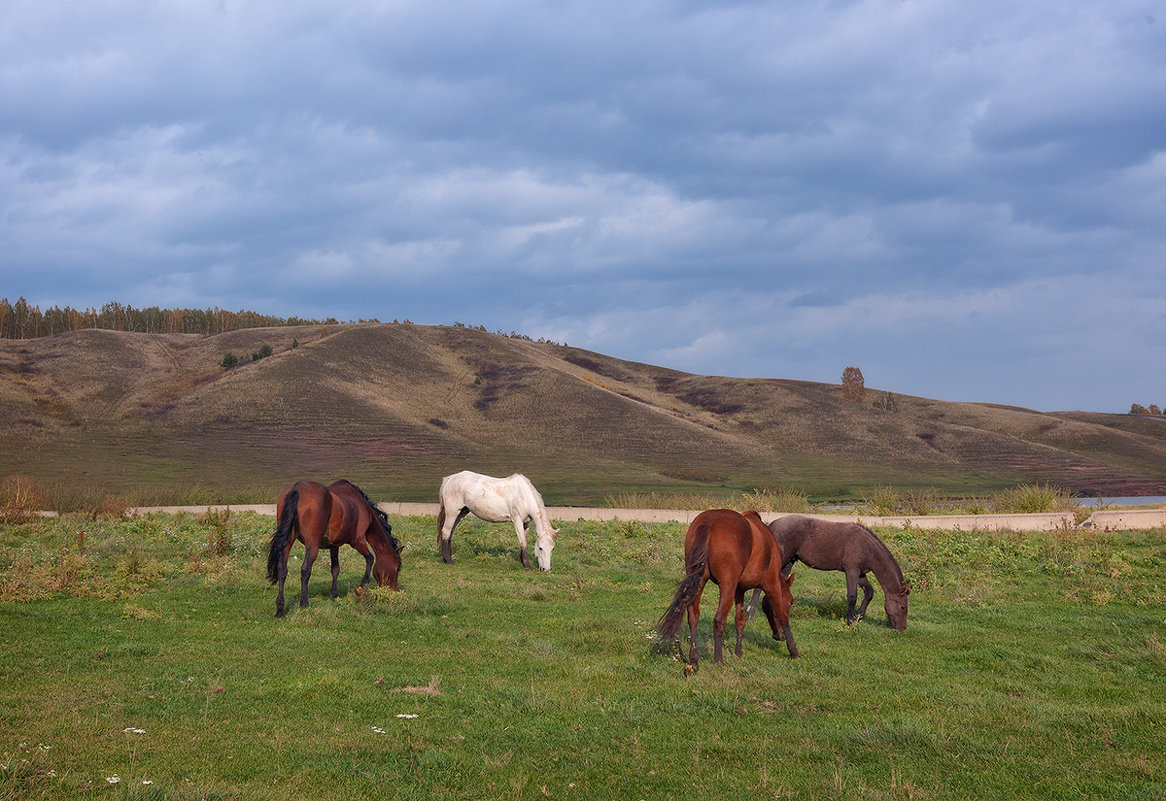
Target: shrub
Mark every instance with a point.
(229, 361)
(1034, 498)
(21, 498)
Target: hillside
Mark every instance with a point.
(396, 406)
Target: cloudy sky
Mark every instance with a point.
(965, 200)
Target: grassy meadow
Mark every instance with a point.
(139, 659)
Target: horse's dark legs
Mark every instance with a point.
(740, 618)
(335, 569)
(753, 603)
(867, 593)
(306, 574)
(693, 619)
(447, 537)
(281, 576)
(368, 560)
(782, 632)
(851, 595)
(520, 530)
(720, 619)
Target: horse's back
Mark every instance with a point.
(830, 544)
(726, 537)
(490, 498)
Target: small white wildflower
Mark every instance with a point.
(378, 730)
(113, 779)
(44, 747)
(407, 716)
(132, 730)
(147, 781)
(52, 774)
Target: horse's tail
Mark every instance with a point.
(289, 520)
(669, 625)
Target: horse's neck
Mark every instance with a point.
(884, 565)
(542, 521)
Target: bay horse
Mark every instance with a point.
(328, 517)
(495, 500)
(848, 547)
(737, 552)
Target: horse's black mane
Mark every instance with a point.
(381, 516)
(885, 550)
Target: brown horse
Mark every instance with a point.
(851, 548)
(737, 552)
(328, 517)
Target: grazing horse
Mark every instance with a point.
(495, 500)
(737, 552)
(328, 517)
(851, 548)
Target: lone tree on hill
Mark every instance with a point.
(853, 385)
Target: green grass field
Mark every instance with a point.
(139, 659)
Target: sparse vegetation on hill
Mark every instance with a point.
(397, 406)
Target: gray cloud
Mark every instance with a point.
(966, 201)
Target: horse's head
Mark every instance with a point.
(385, 571)
(896, 606)
(542, 550)
(388, 564)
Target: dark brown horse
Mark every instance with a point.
(851, 548)
(736, 552)
(328, 517)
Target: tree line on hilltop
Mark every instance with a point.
(22, 320)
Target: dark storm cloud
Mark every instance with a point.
(966, 201)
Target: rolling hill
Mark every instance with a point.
(396, 406)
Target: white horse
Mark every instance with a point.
(495, 500)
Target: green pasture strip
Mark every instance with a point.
(140, 659)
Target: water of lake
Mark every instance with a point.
(1143, 500)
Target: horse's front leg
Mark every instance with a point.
(752, 610)
(335, 549)
(520, 530)
(306, 574)
(851, 595)
(740, 618)
(867, 593)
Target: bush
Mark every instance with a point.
(1034, 498)
(262, 353)
(21, 498)
(229, 361)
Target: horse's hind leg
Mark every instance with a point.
(867, 593)
(720, 619)
(693, 619)
(281, 576)
(306, 574)
(335, 549)
(446, 534)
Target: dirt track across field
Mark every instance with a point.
(1101, 520)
